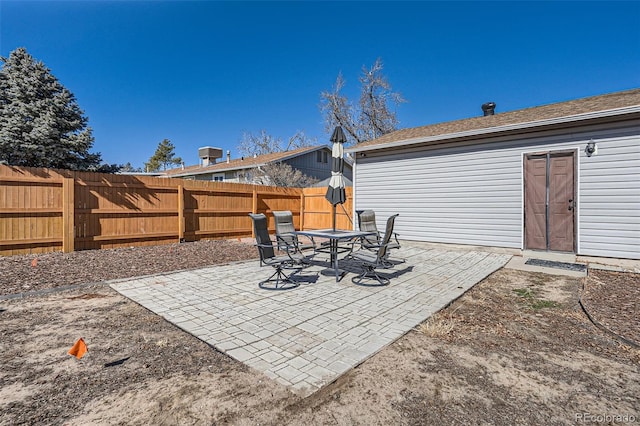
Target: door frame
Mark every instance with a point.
(548, 152)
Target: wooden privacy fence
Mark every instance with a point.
(43, 210)
(317, 212)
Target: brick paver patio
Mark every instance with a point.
(307, 337)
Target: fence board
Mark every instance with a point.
(68, 215)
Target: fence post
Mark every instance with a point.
(302, 209)
(68, 215)
(180, 213)
(254, 208)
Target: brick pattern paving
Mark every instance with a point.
(307, 337)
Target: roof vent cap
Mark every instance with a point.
(489, 108)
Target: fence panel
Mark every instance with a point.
(117, 211)
(221, 210)
(43, 210)
(31, 210)
(318, 211)
(278, 199)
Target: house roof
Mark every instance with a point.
(608, 105)
(242, 163)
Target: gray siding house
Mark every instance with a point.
(313, 161)
(563, 177)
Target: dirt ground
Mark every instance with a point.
(28, 273)
(515, 349)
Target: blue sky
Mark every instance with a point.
(202, 73)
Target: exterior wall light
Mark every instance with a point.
(591, 149)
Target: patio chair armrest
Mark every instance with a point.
(263, 245)
(353, 242)
(286, 244)
(303, 246)
(375, 248)
(369, 243)
(292, 250)
(313, 242)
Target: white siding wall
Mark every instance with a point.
(473, 195)
(610, 199)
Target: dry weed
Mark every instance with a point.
(439, 325)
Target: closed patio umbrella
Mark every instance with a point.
(335, 192)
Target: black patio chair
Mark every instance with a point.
(367, 222)
(279, 280)
(285, 235)
(371, 258)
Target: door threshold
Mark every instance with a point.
(554, 256)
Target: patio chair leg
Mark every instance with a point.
(281, 281)
(370, 273)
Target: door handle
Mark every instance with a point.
(571, 204)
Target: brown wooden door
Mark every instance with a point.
(549, 201)
(561, 202)
(535, 177)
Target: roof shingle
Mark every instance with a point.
(241, 163)
(605, 102)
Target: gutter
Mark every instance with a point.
(500, 129)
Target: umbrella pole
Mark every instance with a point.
(334, 218)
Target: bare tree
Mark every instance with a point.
(264, 143)
(300, 140)
(258, 144)
(281, 174)
(276, 174)
(374, 114)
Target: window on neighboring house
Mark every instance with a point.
(322, 156)
(218, 178)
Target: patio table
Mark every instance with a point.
(335, 236)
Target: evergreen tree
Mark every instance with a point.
(41, 124)
(163, 157)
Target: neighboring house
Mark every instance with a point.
(563, 177)
(312, 161)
